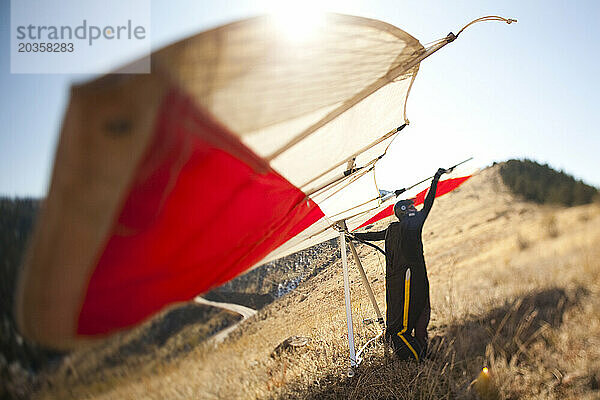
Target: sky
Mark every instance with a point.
(526, 90)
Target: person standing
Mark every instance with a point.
(407, 285)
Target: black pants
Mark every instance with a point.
(409, 346)
(408, 313)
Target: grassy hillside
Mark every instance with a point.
(514, 286)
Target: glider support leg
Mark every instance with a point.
(353, 361)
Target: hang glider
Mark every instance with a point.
(239, 148)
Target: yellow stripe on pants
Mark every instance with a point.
(405, 316)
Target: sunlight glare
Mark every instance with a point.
(297, 22)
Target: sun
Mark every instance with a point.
(298, 21)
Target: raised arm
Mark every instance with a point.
(371, 236)
(431, 194)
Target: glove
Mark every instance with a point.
(440, 172)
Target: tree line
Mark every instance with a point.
(543, 185)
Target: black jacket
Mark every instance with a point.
(404, 249)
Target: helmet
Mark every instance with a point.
(402, 206)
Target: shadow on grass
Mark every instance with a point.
(509, 329)
(455, 358)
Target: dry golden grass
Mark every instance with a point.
(514, 287)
